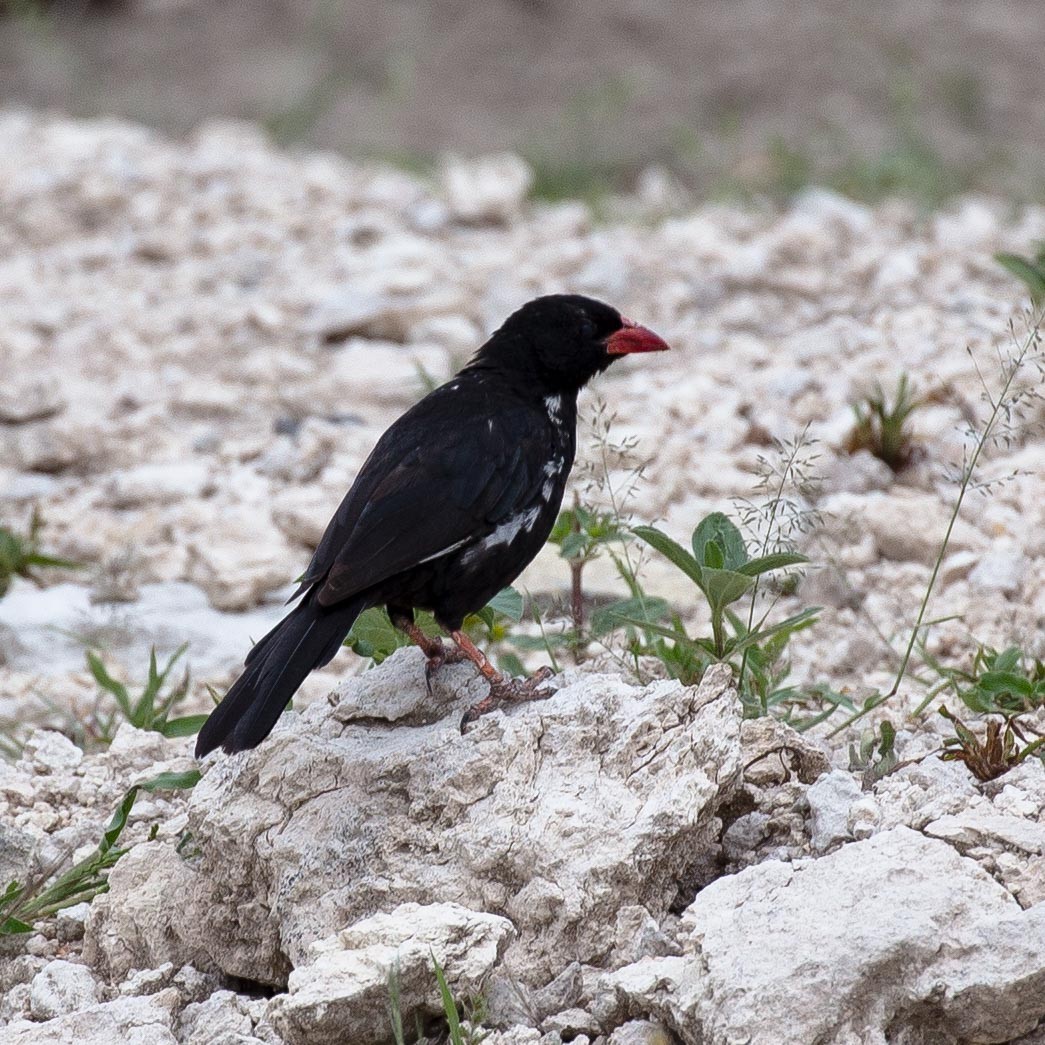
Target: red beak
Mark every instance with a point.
(633, 338)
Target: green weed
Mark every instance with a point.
(1005, 682)
(1029, 271)
(23, 903)
(723, 571)
(20, 554)
(151, 709)
(374, 636)
(882, 425)
(462, 1021)
(876, 755)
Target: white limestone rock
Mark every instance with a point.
(906, 936)
(62, 987)
(555, 814)
(335, 995)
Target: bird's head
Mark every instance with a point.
(566, 339)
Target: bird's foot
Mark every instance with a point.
(437, 654)
(509, 691)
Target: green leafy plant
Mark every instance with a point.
(1005, 682)
(876, 755)
(23, 903)
(20, 553)
(373, 635)
(997, 753)
(1029, 271)
(581, 534)
(150, 710)
(881, 425)
(722, 569)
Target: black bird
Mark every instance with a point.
(454, 501)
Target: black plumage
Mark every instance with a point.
(456, 498)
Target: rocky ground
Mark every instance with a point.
(200, 342)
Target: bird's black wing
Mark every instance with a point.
(443, 476)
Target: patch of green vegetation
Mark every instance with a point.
(374, 636)
(724, 572)
(1005, 682)
(965, 95)
(557, 178)
(24, 903)
(20, 554)
(461, 1021)
(581, 535)
(570, 160)
(1029, 271)
(882, 426)
(152, 708)
(875, 756)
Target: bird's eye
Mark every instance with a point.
(587, 329)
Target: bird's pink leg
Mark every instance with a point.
(433, 648)
(501, 689)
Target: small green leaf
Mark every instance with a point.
(775, 561)
(108, 683)
(186, 726)
(718, 528)
(723, 587)
(453, 1019)
(789, 626)
(12, 926)
(183, 781)
(627, 612)
(1031, 275)
(374, 635)
(508, 603)
(1005, 682)
(671, 550)
(714, 557)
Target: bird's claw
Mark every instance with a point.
(437, 659)
(509, 691)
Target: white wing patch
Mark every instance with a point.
(504, 534)
(445, 551)
(554, 407)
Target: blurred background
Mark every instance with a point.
(927, 99)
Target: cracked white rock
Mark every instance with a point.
(136, 1021)
(554, 815)
(62, 987)
(827, 949)
(334, 996)
(830, 800)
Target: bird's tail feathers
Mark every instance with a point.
(307, 638)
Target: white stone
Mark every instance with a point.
(1003, 567)
(334, 996)
(49, 752)
(62, 987)
(830, 800)
(956, 954)
(158, 484)
(487, 189)
(130, 1021)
